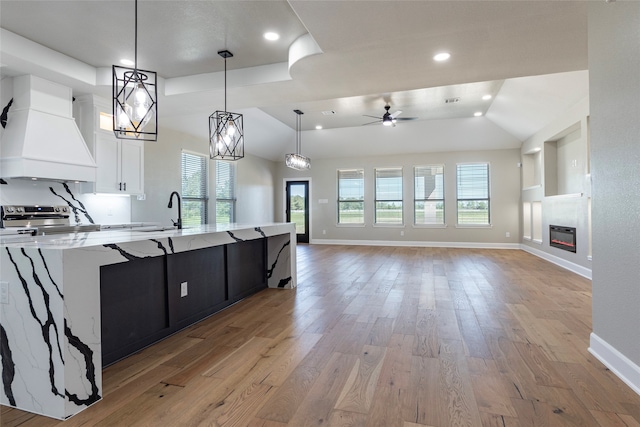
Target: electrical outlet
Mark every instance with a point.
(324, 231)
(402, 233)
(183, 289)
(4, 292)
(507, 234)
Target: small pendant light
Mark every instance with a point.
(296, 160)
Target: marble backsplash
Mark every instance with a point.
(87, 208)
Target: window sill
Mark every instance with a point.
(474, 226)
(527, 238)
(429, 226)
(389, 225)
(355, 225)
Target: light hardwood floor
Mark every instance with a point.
(379, 336)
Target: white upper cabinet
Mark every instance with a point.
(120, 161)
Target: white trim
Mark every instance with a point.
(617, 362)
(413, 243)
(474, 226)
(429, 226)
(578, 269)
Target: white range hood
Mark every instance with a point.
(41, 138)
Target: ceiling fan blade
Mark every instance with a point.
(370, 123)
(407, 118)
(396, 114)
(375, 117)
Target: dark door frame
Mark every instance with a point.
(301, 238)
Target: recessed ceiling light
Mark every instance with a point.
(442, 56)
(318, 127)
(127, 62)
(477, 114)
(487, 97)
(271, 36)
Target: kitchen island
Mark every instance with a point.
(71, 304)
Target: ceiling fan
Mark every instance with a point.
(388, 119)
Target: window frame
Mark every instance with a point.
(429, 199)
(340, 200)
(376, 200)
(227, 200)
(473, 199)
(204, 183)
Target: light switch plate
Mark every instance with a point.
(183, 289)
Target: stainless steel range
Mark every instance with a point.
(45, 219)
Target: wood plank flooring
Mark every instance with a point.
(379, 336)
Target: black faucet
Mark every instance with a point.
(177, 223)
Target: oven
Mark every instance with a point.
(41, 220)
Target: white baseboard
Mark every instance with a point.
(578, 269)
(617, 362)
(419, 244)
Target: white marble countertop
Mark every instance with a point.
(126, 235)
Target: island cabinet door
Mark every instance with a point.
(246, 268)
(134, 306)
(196, 285)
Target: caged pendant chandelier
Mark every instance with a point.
(226, 130)
(135, 95)
(296, 160)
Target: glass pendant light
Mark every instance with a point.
(296, 160)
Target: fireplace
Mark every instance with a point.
(562, 237)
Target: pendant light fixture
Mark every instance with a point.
(135, 95)
(296, 160)
(226, 130)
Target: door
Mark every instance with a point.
(298, 208)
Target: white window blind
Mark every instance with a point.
(351, 196)
(225, 192)
(388, 196)
(473, 193)
(428, 195)
(195, 194)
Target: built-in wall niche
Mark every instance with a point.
(531, 169)
(536, 221)
(526, 221)
(564, 162)
(532, 221)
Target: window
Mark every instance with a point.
(473, 194)
(225, 192)
(428, 203)
(389, 196)
(195, 194)
(351, 196)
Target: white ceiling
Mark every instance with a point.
(357, 56)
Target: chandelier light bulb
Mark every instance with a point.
(231, 129)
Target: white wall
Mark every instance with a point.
(505, 199)
(614, 85)
(162, 175)
(255, 190)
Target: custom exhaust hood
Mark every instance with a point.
(41, 138)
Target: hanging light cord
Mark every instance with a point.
(298, 139)
(135, 51)
(225, 84)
